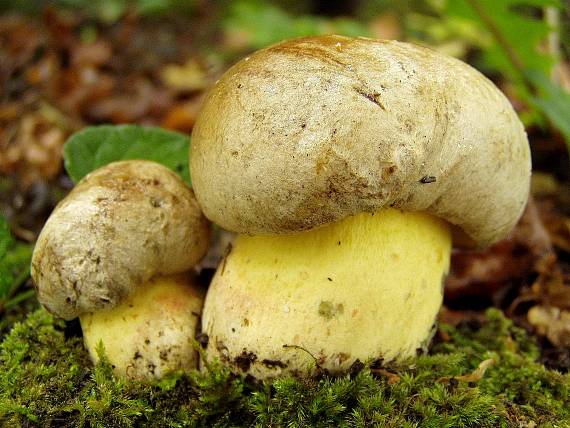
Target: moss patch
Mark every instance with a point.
(47, 380)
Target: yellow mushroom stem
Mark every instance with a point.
(150, 333)
(369, 286)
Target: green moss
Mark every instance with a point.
(47, 380)
(527, 389)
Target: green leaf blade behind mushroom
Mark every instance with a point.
(97, 146)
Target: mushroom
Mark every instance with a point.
(117, 252)
(347, 165)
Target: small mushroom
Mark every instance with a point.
(113, 252)
(347, 165)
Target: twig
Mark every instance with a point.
(305, 350)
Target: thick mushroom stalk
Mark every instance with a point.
(364, 287)
(112, 242)
(151, 332)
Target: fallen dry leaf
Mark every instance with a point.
(474, 376)
(181, 116)
(190, 76)
(392, 377)
(484, 273)
(35, 149)
(386, 26)
(552, 322)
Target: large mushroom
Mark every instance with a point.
(117, 253)
(347, 165)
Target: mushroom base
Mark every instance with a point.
(151, 333)
(367, 287)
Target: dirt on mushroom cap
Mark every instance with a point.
(121, 225)
(312, 130)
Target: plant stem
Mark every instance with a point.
(19, 298)
(20, 279)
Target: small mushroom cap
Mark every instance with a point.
(313, 130)
(121, 225)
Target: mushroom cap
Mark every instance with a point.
(121, 225)
(312, 130)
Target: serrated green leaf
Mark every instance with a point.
(96, 146)
(554, 102)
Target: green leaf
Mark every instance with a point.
(261, 23)
(14, 262)
(96, 146)
(516, 34)
(5, 237)
(554, 103)
(6, 242)
(149, 8)
(14, 269)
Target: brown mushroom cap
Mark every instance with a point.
(313, 130)
(121, 225)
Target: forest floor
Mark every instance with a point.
(504, 366)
